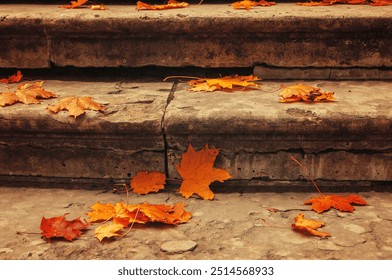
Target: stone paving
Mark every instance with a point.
(236, 225)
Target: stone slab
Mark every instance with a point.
(207, 35)
(115, 144)
(346, 142)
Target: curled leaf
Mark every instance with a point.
(309, 226)
(16, 78)
(74, 4)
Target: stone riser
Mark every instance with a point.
(284, 35)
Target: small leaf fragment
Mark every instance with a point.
(16, 78)
(60, 227)
(309, 226)
(197, 171)
(76, 105)
(145, 182)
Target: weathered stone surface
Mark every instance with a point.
(202, 35)
(114, 144)
(345, 141)
(178, 246)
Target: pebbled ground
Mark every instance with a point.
(233, 226)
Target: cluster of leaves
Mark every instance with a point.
(301, 92)
(32, 93)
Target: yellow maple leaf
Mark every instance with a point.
(301, 92)
(101, 212)
(107, 231)
(198, 172)
(76, 105)
(170, 5)
(228, 83)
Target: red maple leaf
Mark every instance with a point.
(60, 227)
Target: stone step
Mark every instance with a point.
(148, 125)
(207, 35)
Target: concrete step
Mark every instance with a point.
(148, 125)
(207, 35)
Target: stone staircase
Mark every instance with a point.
(120, 56)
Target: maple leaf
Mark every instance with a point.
(107, 231)
(60, 227)
(381, 2)
(248, 4)
(146, 182)
(309, 226)
(74, 4)
(13, 78)
(332, 2)
(197, 171)
(26, 93)
(342, 203)
(170, 5)
(301, 92)
(101, 212)
(76, 105)
(226, 83)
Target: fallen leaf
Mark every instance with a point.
(107, 231)
(309, 226)
(170, 5)
(16, 78)
(381, 2)
(226, 83)
(76, 105)
(332, 2)
(248, 4)
(60, 227)
(101, 212)
(74, 4)
(301, 92)
(197, 171)
(342, 203)
(26, 93)
(97, 7)
(146, 182)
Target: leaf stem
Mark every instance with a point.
(307, 175)
(182, 77)
(133, 222)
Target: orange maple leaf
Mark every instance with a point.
(197, 171)
(170, 5)
(248, 4)
(146, 182)
(332, 2)
(301, 92)
(76, 105)
(16, 78)
(228, 83)
(308, 226)
(381, 2)
(74, 4)
(26, 93)
(342, 203)
(60, 227)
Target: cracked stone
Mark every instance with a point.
(178, 247)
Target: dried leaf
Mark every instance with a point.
(97, 7)
(170, 5)
(308, 226)
(226, 83)
(16, 78)
(381, 2)
(248, 4)
(342, 203)
(332, 2)
(107, 231)
(76, 105)
(60, 227)
(26, 93)
(197, 171)
(74, 4)
(101, 212)
(301, 92)
(145, 182)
